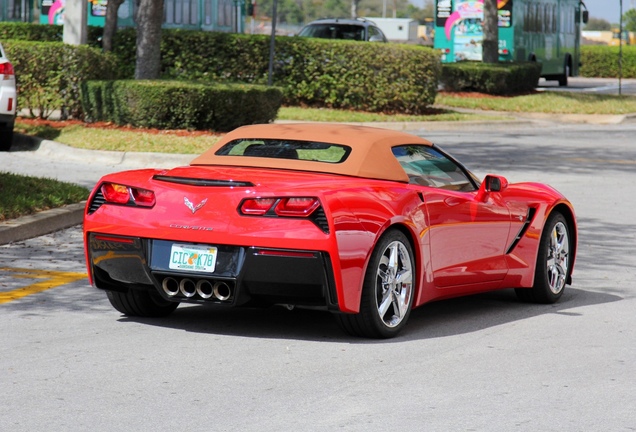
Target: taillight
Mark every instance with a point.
(296, 207)
(6, 69)
(286, 207)
(258, 206)
(121, 194)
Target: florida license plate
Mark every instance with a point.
(193, 258)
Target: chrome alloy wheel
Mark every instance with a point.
(558, 258)
(394, 285)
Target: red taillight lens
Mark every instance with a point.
(286, 207)
(121, 194)
(257, 206)
(296, 207)
(116, 193)
(143, 197)
(6, 69)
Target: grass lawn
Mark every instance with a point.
(24, 195)
(544, 102)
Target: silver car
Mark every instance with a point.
(359, 29)
(8, 100)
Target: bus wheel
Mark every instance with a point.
(563, 79)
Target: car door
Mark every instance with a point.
(468, 225)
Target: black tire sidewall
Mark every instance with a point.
(542, 292)
(368, 305)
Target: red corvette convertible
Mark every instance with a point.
(363, 222)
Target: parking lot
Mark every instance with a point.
(68, 361)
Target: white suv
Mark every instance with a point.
(7, 101)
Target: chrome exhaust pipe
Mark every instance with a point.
(205, 289)
(187, 287)
(222, 291)
(170, 286)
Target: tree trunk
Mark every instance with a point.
(149, 20)
(110, 26)
(354, 9)
(491, 32)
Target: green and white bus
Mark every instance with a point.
(545, 31)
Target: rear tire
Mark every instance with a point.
(6, 137)
(141, 303)
(563, 79)
(387, 292)
(553, 263)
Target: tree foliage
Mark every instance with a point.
(597, 24)
(629, 20)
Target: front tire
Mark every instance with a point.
(387, 292)
(553, 263)
(141, 303)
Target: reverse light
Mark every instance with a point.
(121, 194)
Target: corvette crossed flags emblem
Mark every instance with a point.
(191, 206)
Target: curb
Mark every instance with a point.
(41, 223)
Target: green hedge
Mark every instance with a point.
(602, 61)
(500, 78)
(49, 74)
(179, 105)
(43, 33)
(339, 74)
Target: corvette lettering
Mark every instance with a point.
(191, 227)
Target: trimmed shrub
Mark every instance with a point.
(43, 33)
(602, 61)
(180, 105)
(340, 74)
(500, 78)
(49, 75)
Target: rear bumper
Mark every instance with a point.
(243, 275)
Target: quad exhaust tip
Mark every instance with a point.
(203, 288)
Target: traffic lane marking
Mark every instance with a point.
(47, 279)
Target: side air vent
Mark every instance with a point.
(203, 182)
(524, 228)
(97, 201)
(320, 219)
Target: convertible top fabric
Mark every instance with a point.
(371, 155)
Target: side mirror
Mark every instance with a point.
(492, 183)
(495, 183)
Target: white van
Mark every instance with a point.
(8, 100)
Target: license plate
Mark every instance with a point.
(193, 258)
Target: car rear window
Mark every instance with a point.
(286, 149)
(334, 31)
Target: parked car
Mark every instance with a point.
(350, 29)
(363, 222)
(7, 101)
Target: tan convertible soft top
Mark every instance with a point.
(371, 155)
